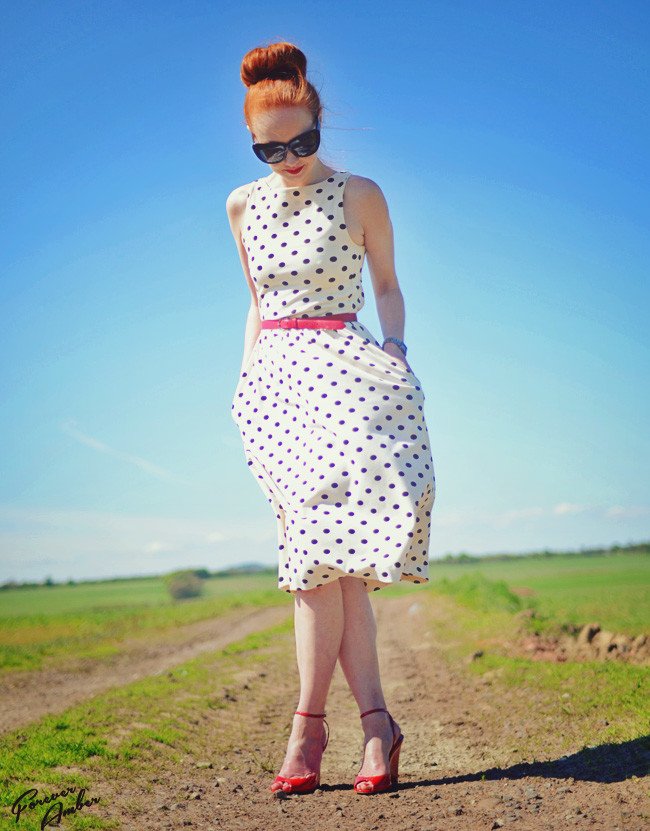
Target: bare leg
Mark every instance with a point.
(360, 665)
(318, 621)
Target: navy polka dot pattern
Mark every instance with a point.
(333, 427)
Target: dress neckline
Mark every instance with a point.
(331, 178)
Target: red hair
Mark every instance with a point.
(276, 77)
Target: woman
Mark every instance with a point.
(331, 421)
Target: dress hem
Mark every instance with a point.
(371, 585)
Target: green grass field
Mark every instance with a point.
(121, 732)
(611, 589)
(91, 619)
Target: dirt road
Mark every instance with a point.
(28, 696)
(465, 763)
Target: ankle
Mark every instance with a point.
(376, 724)
(307, 727)
(372, 709)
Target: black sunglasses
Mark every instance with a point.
(306, 144)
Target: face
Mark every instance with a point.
(284, 124)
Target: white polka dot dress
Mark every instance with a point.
(333, 427)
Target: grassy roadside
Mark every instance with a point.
(584, 703)
(610, 588)
(190, 715)
(137, 730)
(92, 622)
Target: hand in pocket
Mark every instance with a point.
(395, 352)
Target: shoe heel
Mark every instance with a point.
(394, 761)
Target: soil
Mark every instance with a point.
(466, 760)
(29, 695)
(585, 643)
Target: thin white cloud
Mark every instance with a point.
(627, 511)
(156, 547)
(454, 518)
(35, 542)
(517, 515)
(73, 543)
(149, 467)
(160, 529)
(565, 508)
(444, 518)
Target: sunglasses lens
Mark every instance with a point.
(270, 154)
(308, 144)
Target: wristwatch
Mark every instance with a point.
(399, 342)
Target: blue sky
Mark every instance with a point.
(510, 140)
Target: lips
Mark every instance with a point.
(294, 170)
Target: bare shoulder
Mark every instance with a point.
(236, 200)
(365, 193)
(362, 185)
(367, 203)
(235, 207)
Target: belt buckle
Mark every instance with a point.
(288, 322)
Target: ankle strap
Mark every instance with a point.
(314, 715)
(376, 710)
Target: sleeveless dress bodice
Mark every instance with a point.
(332, 426)
(301, 257)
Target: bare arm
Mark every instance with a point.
(235, 205)
(371, 208)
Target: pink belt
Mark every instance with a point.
(328, 322)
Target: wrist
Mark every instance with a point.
(398, 343)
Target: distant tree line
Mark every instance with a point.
(196, 575)
(464, 557)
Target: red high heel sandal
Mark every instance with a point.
(302, 784)
(383, 781)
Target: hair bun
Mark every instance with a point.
(276, 62)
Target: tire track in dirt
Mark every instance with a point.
(460, 766)
(29, 695)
